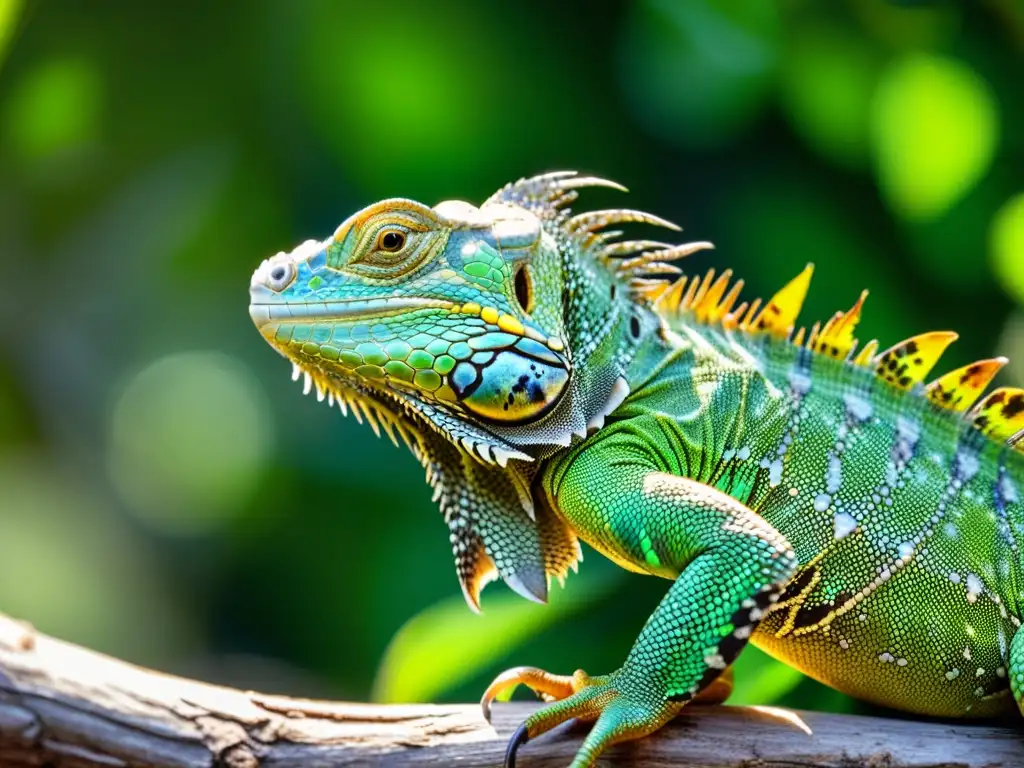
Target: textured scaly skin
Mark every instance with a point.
(837, 517)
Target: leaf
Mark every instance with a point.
(828, 78)
(55, 108)
(10, 10)
(699, 73)
(1007, 246)
(447, 644)
(760, 679)
(934, 134)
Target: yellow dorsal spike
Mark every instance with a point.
(652, 290)
(702, 290)
(1001, 414)
(825, 331)
(867, 353)
(691, 291)
(747, 323)
(812, 337)
(711, 308)
(676, 293)
(836, 339)
(732, 320)
(958, 390)
(910, 361)
(668, 302)
(798, 339)
(779, 315)
(726, 305)
(648, 289)
(831, 322)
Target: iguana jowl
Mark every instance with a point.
(814, 497)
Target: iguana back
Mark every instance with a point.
(904, 515)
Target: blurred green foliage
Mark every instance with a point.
(166, 494)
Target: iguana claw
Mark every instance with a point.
(622, 706)
(547, 686)
(520, 737)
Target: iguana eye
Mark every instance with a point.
(391, 240)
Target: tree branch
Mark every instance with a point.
(61, 705)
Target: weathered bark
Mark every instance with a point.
(61, 705)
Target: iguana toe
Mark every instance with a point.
(547, 686)
(623, 708)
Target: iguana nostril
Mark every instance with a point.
(277, 274)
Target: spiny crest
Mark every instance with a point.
(905, 365)
(711, 301)
(549, 194)
(836, 338)
(1001, 415)
(642, 264)
(959, 389)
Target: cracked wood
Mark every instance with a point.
(61, 705)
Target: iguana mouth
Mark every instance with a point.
(263, 312)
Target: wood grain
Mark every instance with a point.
(61, 705)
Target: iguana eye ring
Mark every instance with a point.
(391, 241)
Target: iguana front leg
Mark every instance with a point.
(729, 566)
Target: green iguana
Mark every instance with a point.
(817, 499)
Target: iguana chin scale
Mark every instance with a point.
(818, 499)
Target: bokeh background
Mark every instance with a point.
(166, 493)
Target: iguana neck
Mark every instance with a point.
(713, 390)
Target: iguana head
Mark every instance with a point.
(487, 337)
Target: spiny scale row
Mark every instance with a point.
(381, 419)
(376, 417)
(905, 365)
(549, 196)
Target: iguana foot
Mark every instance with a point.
(622, 709)
(547, 686)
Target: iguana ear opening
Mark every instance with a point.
(522, 283)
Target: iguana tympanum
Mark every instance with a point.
(814, 497)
